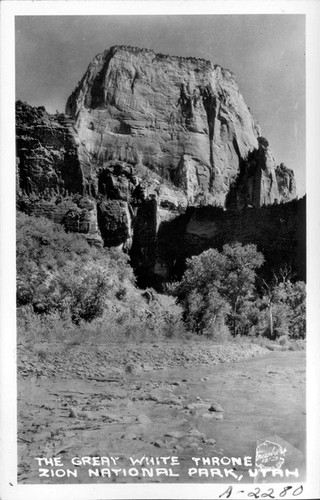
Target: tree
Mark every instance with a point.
(283, 311)
(218, 288)
(238, 284)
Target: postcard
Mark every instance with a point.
(159, 292)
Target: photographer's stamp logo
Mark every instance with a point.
(270, 455)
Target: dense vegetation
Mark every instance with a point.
(64, 285)
(220, 294)
(60, 272)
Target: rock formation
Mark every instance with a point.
(145, 136)
(286, 182)
(182, 118)
(50, 179)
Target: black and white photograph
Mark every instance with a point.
(158, 338)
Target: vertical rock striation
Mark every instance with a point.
(182, 118)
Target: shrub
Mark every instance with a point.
(33, 327)
(283, 311)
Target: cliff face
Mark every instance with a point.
(145, 137)
(47, 150)
(50, 179)
(279, 231)
(55, 179)
(182, 118)
(260, 182)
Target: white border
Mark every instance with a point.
(8, 446)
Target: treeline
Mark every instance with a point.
(65, 284)
(221, 294)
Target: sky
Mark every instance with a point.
(266, 52)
